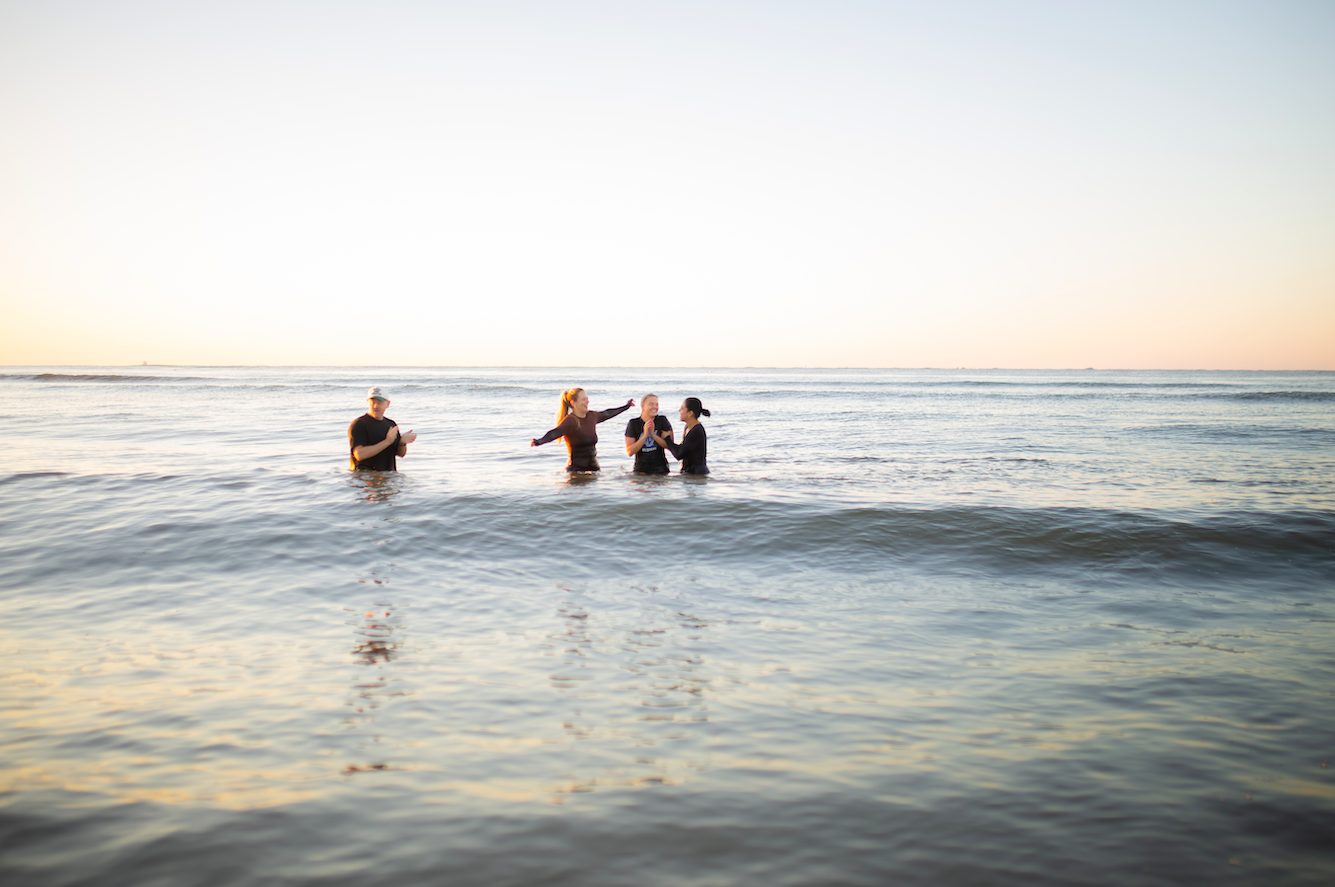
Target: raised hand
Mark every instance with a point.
(410, 436)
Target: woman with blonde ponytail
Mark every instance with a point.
(579, 426)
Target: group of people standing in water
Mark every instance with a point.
(648, 435)
(375, 443)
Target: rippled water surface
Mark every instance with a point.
(919, 627)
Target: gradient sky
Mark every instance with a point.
(874, 184)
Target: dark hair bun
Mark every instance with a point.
(704, 412)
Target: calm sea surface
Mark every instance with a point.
(918, 627)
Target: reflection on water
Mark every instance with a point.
(985, 726)
(375, 647)
(1011, 681)
(377, 486)
(635, 688)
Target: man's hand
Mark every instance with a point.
(409, 437)
(393, 433)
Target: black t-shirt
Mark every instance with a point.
(367, 431)
(650, 459)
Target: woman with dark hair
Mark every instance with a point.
(691, 451)
(579, 426)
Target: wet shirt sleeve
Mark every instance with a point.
(568, 424)
(604, 415)
(356, 435)
(691, 449)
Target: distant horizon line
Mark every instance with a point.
(641, 367)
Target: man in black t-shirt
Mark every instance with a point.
(373, 440)
(649, 456)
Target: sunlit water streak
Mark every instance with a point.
(918, 627)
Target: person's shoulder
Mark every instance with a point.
(631, 423)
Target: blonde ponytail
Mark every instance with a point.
(567, 404)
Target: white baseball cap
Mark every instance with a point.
(377, 393)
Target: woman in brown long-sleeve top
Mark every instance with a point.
(579, 426)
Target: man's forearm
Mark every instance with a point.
(361, 454)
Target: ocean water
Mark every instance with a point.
(918, 627)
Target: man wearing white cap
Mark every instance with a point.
(374, 440)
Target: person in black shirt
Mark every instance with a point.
(373, 440)
(579, 426)
(691, 450)
(649, 456)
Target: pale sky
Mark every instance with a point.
(876, 184)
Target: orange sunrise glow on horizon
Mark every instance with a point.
(860, 185)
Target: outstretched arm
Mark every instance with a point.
(666, 442)
(559, 431)
(690, 445)
(604, 415)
